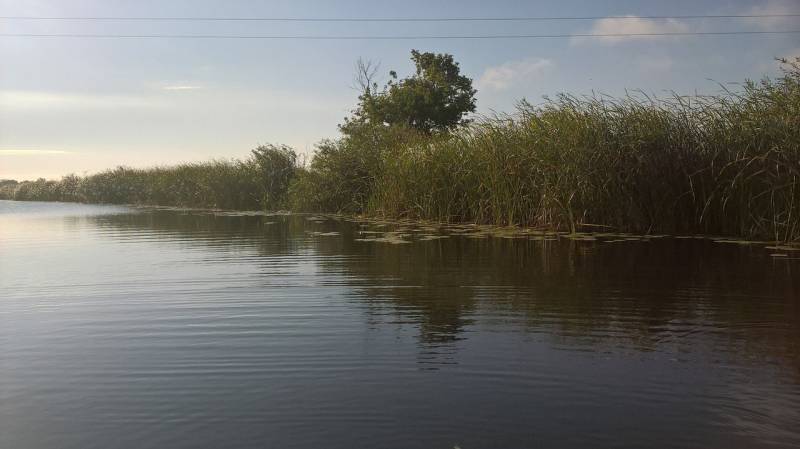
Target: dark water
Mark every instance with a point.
(124, 328)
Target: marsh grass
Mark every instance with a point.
(725, 165)
(257, 183)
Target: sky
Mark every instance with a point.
(81, 105)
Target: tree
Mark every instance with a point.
(435, 98)
(364, 80)
(276, 165)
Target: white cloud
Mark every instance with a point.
(505, 75)
(792, 54)
(31, 152)
(28, 99)
(774, 7)
(772, 67)
(182, 87)
(631, 25)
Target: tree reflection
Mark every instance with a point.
(679, 296)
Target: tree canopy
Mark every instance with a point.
(435, 98)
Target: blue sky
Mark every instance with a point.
(82, 105)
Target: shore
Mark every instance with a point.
(726, 165)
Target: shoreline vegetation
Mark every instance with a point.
(724, 165)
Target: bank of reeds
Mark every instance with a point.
(256, 183)
(725, 165)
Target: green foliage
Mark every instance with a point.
(724, 165)
(277, 165)
(435, 98)
(343, 172)
(241, 185)
(8, 188)
(727, 165)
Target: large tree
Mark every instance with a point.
(435, 98)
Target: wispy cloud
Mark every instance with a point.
(774, 8)
(644, 28)
(24, 99)
(32, 152)
(182, 87)
(506, 75)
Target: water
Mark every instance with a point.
(136, 328)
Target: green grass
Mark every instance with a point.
(724, 165)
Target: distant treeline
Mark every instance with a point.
(259, 182)
(725, 165)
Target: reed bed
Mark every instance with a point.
(727, 164)
(257, 183)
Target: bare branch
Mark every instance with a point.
(365, 77)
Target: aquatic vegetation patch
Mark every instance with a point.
(784, 248)
(429, 237)
(322, 234)
(394, 239)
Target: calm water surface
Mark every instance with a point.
(137, 328)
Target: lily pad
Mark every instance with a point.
(426, 238)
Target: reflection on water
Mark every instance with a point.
(154, 328)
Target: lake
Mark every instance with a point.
(150, 328)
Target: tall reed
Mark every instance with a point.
(259, 182)
(727, 164)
